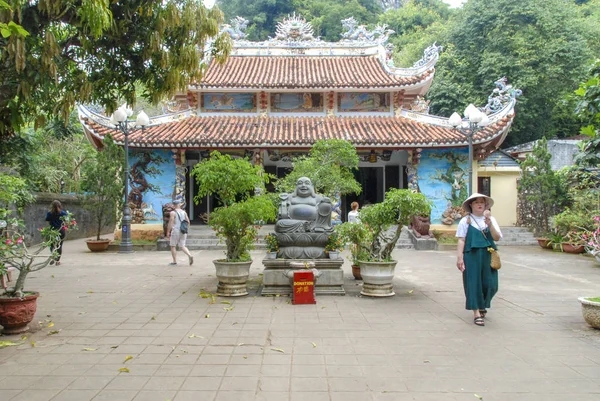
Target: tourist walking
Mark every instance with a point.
(176, 237)
(353, 214)
(54, 219)
(476, 233)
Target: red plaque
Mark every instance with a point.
(304, 288)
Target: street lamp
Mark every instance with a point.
(120, 119)
(209, 3)
(475, 120)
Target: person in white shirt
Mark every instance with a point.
(176, 237)
(353, 214)
(476, 233)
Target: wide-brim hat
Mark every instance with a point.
(489, 202)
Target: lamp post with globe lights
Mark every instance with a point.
(474, 121)
(120, 119)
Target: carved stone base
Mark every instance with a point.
(233, 277)
(275, 281)
(377, 278)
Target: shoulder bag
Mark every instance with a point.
(183, 224)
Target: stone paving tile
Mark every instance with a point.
(154, 395)
(35, 395)
(75, 395)
(419, 345)
(115, 395)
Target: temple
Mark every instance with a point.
(272, 100)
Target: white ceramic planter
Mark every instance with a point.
(591, 312)
(334, 255)
(233, 277)
(377, 278)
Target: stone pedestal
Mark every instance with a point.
(330, 282)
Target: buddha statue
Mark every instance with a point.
(303, 222)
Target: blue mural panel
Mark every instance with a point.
(229, 101)
(151, 183)
(297, 102)
(443, 179)
(356, 101)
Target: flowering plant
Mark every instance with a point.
(335, 243)
(14, 251)
(591, 239)
(272, 243)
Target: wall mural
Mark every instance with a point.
(443, 179)
(215, 102)
(297, 102)
(352, 101)
(151, 184)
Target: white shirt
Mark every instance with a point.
(353, 216)
(478, 223)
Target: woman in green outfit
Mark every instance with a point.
(477, 232)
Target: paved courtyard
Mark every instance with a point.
(111, 311)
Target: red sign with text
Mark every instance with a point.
(304, 288)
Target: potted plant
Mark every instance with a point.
(354, 234)
(385, 221)
(17, 305)
(233, 182)
(103, 190)
(272, 246)
(590, 307)
(334, 246)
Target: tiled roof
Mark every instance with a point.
(282, 132)
(281, 72)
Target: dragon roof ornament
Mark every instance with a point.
(360, 33)
(237, 28)
(501, 95)
(432, 52)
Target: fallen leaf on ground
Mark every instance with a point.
(50, 333)
(226, 302)
(128, 357)
(90, 349)
(8, 344)
(32, 344)
(229, 309)
(23, 338)
(124, 370)
(115, 347)
(314, 345)
(478, 396)
(207, 316)
(411, 291)
(50, 324)
(278, 350)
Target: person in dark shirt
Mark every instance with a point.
(54, 218)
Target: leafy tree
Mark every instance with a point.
(326, 15)
(417, 25)
(98, 51)
(262, 15)
(52, 155)
(588, 109)
(538, 45)
(233, 181)
(329, 165)
(103, 184)
(228, 178)
(540, 190)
